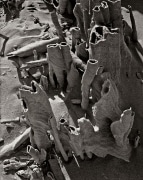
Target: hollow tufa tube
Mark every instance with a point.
(97, 18)
(65, 49)
(87, 79)
(105, 12)
(56, 60)
(79, 17)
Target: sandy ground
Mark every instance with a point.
(109, 168)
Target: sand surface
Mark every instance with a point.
(109, 168)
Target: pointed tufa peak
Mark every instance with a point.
(40, 115)
(121, 129)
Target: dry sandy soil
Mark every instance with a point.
(109, 168)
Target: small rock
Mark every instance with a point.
(23, 119)
(37, 75)
(4, 73)
(1, 140)
(24, 174)
(6, 161)
(9, 125)
(17, 119)
(13, 164)
(33, 166)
